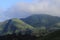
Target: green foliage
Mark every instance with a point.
(20, 24)
(14, 26)
(39, 20)
(52, 36)
(37, 25)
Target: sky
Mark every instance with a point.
(8, 3)
(23, 8)
(5, 4)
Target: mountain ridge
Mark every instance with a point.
(32, 23)
(38, 20)
(14, 26)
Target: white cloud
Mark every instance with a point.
(37, 6)
(2, 16)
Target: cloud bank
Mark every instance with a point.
(23, 9)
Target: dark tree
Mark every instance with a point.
(52, 36)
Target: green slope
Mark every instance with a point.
(13, 26)
(39, 20)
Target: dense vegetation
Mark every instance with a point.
(34, 27)
(39, 20)
(52, 36)
(18, 37)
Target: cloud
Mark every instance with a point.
(2, 16)
(24, 9)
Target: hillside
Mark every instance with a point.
(39, 20)
(33, 27)
(14, 26)
(37, 25)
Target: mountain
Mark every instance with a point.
(39, 20)
(34, 26)
(37, 23)
(14, 26)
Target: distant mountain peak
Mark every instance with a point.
(38, 20)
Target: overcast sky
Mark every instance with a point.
(23, 8)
